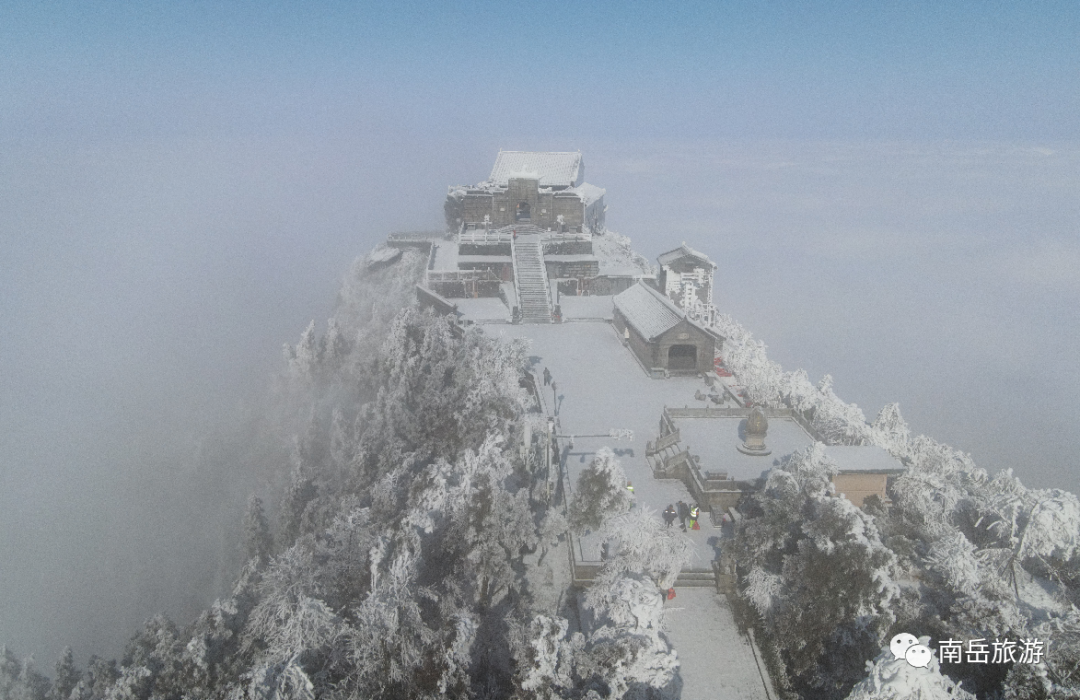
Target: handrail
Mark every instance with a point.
(483, 235)
(462, 276)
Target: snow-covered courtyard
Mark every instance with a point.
(599, 386)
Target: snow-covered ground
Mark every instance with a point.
(483, 309)
(600, 386)
(587, 308)
(446, 255)
(716, 660)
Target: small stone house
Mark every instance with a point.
(863, 471)
(660, 335)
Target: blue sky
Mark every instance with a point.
(889, 190)
(703, 70)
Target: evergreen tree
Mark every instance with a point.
(66, 677)
(257, 538)
(600, 494)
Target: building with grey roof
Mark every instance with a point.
(554, 170)
(664, 340)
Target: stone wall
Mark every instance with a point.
(578, 269)
(465, 289)
(474, 207)
(567, 205)
(856, 486)
(608, 285)
(568, 247)
(429, 299)
(484, 249)
(638, 345)
(595, 216)
(471, 206)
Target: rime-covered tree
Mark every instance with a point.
(621, 650)
(818, 574)
(19, 680)
(66, 675)
(600, 494)
(889, 678)
(257, 538)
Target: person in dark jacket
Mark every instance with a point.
(684, 513)
(670, 515)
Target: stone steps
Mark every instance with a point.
(530, 276)
(696, 578)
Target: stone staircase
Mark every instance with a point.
(530, 276)
(696, 578)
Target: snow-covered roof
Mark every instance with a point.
(716, 440)
(682, 252)
(647, 310)
(550, 169)
(863, 458)
(588, 193)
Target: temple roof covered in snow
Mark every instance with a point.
(684, 251)
(550, 169)
(588, 193)
(647, 310)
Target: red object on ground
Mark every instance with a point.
(670, 593)
(697, 526)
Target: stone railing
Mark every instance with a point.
(420, 239)
(483, 236)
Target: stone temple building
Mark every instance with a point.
(519, 242)
(546, 190)
(662, 337)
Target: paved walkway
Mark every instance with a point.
(716, 662)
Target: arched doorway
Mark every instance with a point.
(522, 213)
(682, 357)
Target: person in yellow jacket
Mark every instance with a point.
(694, 513)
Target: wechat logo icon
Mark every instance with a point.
(906, 646)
